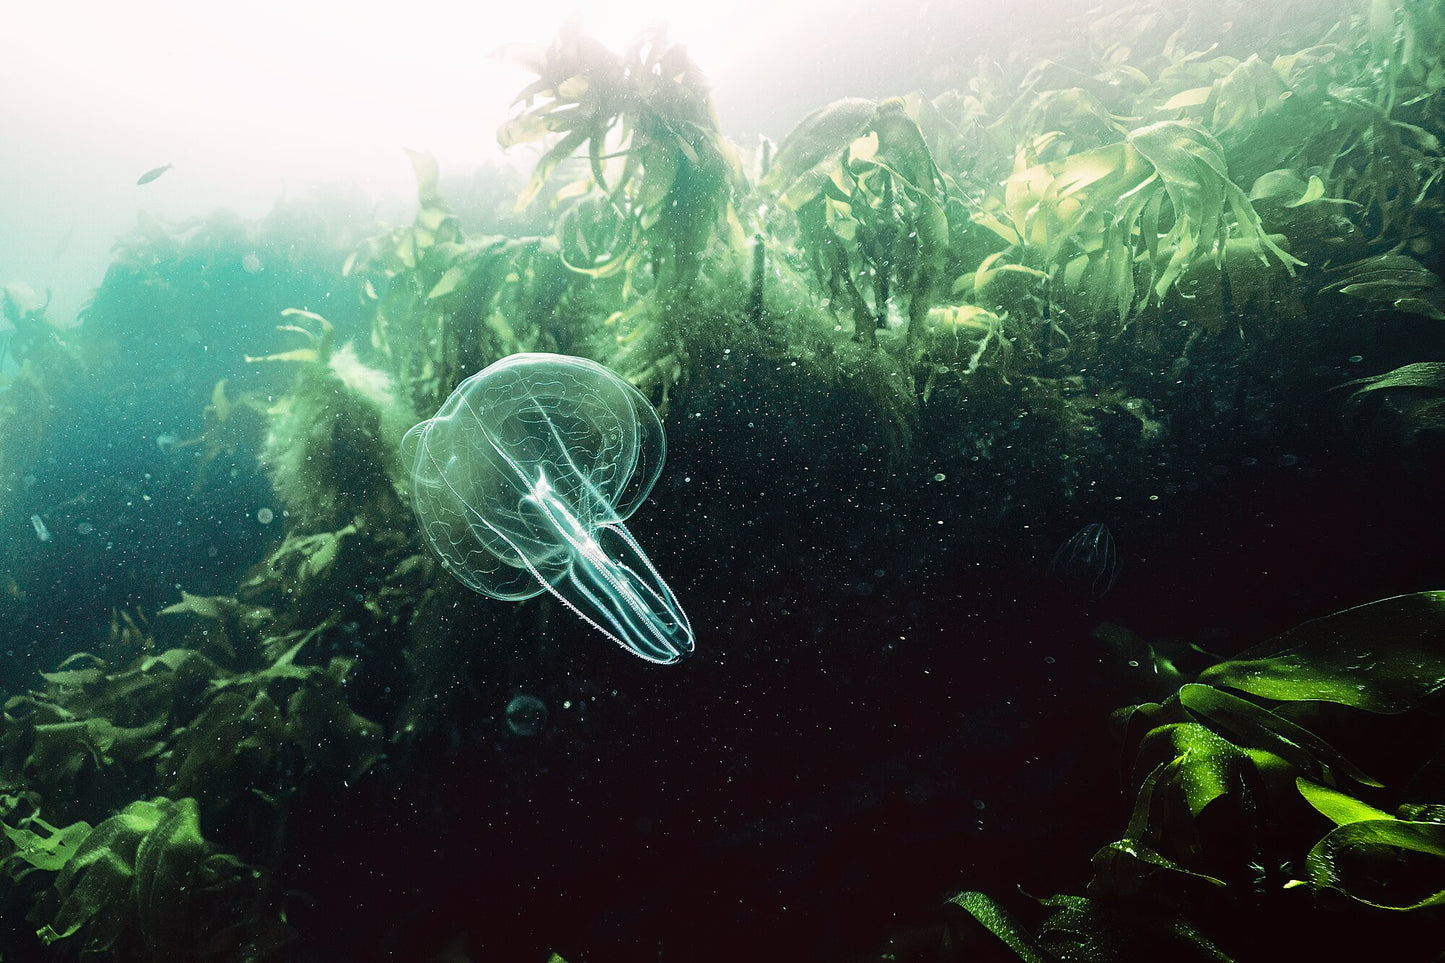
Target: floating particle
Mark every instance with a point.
(41, 532)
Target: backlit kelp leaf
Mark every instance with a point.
(1244, 97)
(51, 850)
(1091, 930)
(556, 154)
(1395, 281)
(1166, 811)
(659, 168)
(994, 918)
(1340, 807)
(1106, 277)
(1406, 404)
(440, 258)
(817, 140)
(990, 271)
(231, 620)
(1128, 867)
(1161, 197)
(1133, 864)
(1387, 863)
(206, 606)
(166, 864)
(1253, 110)
(1193, 97)
(1133, 724)
(1253, 725)
(1367, 855)
(1386, 656)
(145, 884)
(1048, 202)
(1191, 165)
(74, 678)
(1424, 376)
(320, 339)
(597, 239)
(1425, 307)
(1287, 189)
(95, 884)
(309, 557)
(449, 281)
(1207, 766)
(83, 746)
(968, 334)
(871, 214)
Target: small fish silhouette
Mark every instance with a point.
(153, 173)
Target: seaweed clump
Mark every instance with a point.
(115, 765)
(330, 444)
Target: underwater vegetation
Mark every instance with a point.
(124, 754)
(1252, 834)
(933, 327)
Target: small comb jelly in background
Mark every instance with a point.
(1087, 565)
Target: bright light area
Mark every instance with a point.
(254, 101)
(272, 91)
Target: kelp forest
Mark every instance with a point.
(1177, 280)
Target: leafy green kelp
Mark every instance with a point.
(1248, 819)
(144, 883)
(210, 745)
